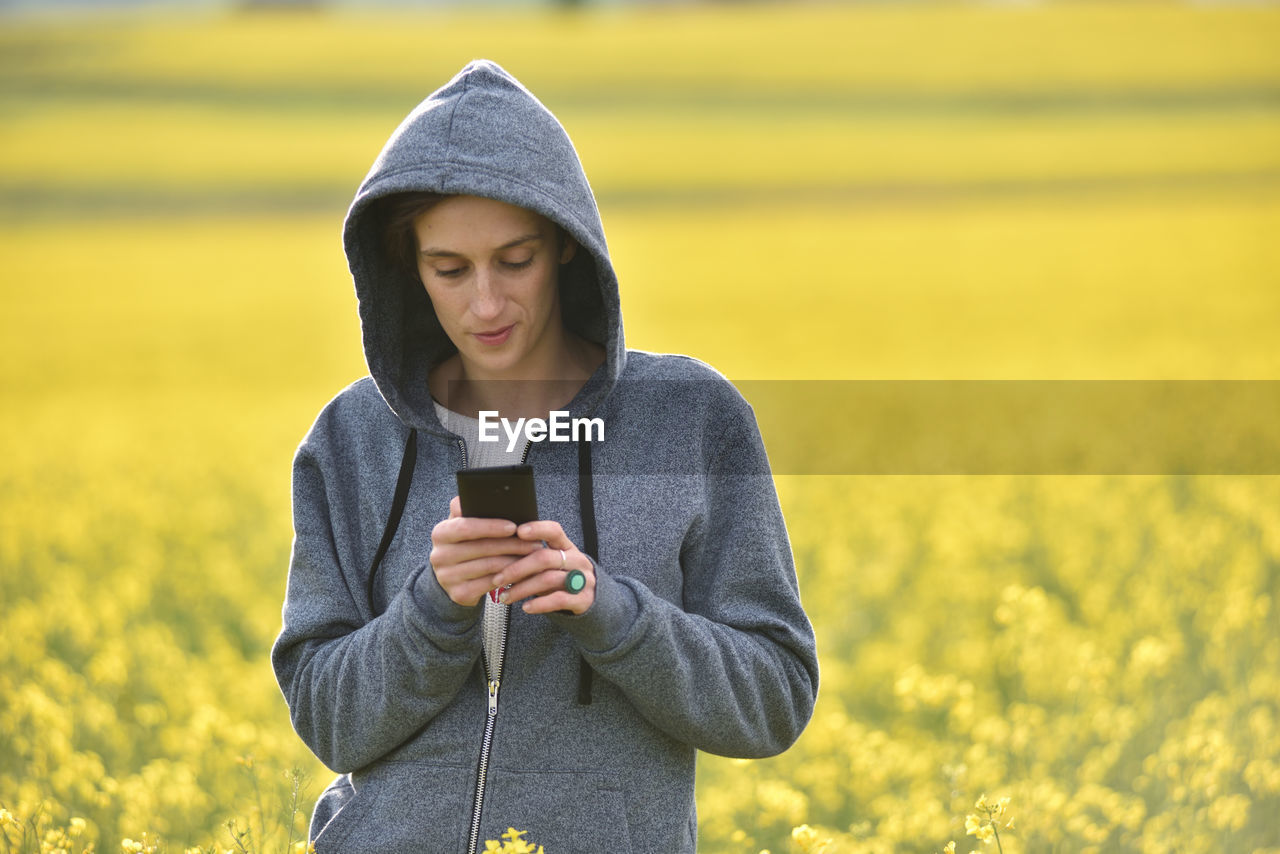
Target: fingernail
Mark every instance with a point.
(524, 531)
(502, 597)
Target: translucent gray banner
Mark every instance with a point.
(1019, 427)
(919, 427)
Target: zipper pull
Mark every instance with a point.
(493, 697)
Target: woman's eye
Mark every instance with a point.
(451, 273)
(518, 265)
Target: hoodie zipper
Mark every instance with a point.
(493, 679)
(493, 682)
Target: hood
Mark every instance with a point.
(481, 134)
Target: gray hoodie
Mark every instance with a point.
(696, 639)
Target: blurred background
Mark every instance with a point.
(872, 191)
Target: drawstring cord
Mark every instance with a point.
(590, 545)
(403, 481)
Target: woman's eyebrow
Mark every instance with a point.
(434, 252)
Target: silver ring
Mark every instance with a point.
(563, 560)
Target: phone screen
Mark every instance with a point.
(500, 492)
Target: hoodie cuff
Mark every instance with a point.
(609, 620)
(435, 612)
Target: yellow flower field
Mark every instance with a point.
(1077, 661)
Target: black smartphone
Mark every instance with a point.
(498, 492)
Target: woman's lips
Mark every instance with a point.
(494, 337)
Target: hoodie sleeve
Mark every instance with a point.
(734, 671)
(359, 685)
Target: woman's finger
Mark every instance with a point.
(548, 531)
(470, 592)
(465, 550)
(540, 559)
(484, 567)
(458, 529)
(466, 583)
(550, 595)
(540, 578)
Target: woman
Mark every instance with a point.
(484, 284)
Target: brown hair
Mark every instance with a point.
(398, 212)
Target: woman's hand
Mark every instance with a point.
(539, 575)
(467, 554)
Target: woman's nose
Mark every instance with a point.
(486, 302)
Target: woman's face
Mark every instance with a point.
(490, 269)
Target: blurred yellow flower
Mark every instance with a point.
(976, 826)
(513, 842)
(804, 834)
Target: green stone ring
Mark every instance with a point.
(575, 581)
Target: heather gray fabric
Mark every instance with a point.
(697, 637)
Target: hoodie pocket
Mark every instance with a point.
(403, 808)
(565, 812)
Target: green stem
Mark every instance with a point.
(237, 836)
(293, 810)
